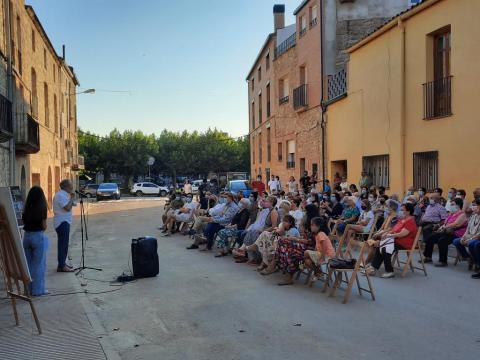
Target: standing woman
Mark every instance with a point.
(292, 186)
(35, 242)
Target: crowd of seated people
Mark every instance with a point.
(289, 232)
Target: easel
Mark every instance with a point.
(14, 273)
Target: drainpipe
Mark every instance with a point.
(6, 6)
(401, 26)
(323, 108)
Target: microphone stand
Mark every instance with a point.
(84, 231)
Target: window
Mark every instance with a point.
(260, 148)
(269, 146)
(425, 170)
(313, 16)
(34, 100)
(253, 115)
(284, 90)
(303, 75)
(280, 151)
(19, 45)
(44, 58)
(54, 73)
(438, 93)
(268, 101)
(259, 108)
(378, 168)
(267, 61)
(45, 97)
(303, 25)
(33, 40)
(290, 154)
(253, 84)
(260, 73)
(55, 112)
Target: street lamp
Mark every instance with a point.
(88, 91)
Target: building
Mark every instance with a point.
(408, 113)
(44, 145)
(286, 81)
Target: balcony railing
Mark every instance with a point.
(283, 100)
(313, 22)
(27, 136)
(337, 86)
(303, 32)
(6, 122)
(300, 97)
(290, 164)
(437, 98)
(286, 45)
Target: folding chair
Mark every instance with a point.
(354, 278)
(409, 263)
(368, 235)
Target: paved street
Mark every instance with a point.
(200, 307)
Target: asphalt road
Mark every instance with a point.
(200, 307)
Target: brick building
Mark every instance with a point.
(41, 88)
(285, 82)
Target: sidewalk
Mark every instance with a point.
(70, 330)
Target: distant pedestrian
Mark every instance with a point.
(273, 185)
(35, 242)
(279, 184)
(63, 201)
(305, 182)
(187, 187)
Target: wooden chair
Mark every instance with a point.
(341, 275)
(409, 263)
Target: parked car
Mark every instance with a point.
(90, 190)
(235, 186)
(148, 188)
(108, 191)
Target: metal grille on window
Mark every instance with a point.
(378, 167)
(425, 170)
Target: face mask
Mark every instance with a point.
(333, 199)
(474, 207)
(450, 195)
(177, 197)
(401, 215)
(409, 193)
(188, 200)
(454, 208)
(364, 191)
(222, 201)
(325, 198)
(421, 193)
(251, 198)
(431, 202)
(309, 201)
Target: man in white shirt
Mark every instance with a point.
(63, 201)
(273, 185)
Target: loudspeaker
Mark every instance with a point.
(144, 257)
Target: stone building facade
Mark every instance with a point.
(286, 140)
(43, 94)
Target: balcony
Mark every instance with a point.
(27, 136)
(289, 43)
(337, 86)
(6, 123)
(300, 97)
(303, 32)
(80, 164)
(313, 22)
(290, 164)
(437, 98)
(283, 100)
(68, 158)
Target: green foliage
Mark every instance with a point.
(175, 153)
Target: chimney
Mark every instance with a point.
(278, 17)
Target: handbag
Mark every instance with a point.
(339, 263)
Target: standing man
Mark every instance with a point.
(305, 182)
(63, 201)
(258, 185)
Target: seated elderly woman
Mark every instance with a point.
(333, 208)
(454, 227)
(290, 254)
(267, 220)
(471, 239)
(184, 214)
(349, 215)
(266, 244)
(401, 236)
(283, 208)
(364, 223)
(297, 213)
(174, 204)
(235, 229)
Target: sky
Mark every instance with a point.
(181, 64)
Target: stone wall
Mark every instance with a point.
(4, 165)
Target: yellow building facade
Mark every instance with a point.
(409, 115)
